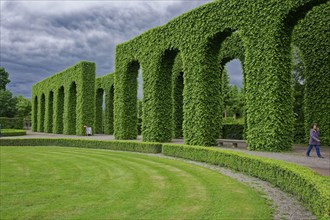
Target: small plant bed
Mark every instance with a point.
(77, 183)
(12, 132)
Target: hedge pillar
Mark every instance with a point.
(49, 113)
(41, 113)
(202, 94)
(58, 110)
(157, 100)
(35, 113)
(108, 120)
(85, 96)
(98, 125)
(125, 108)
(70, 102)
(269, 98)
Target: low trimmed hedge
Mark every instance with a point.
(312, 189)
(143, 147)
(12, 132)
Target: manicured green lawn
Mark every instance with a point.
(75, 183)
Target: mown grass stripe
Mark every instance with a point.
(99, 184)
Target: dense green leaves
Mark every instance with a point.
(258, 33)
(64, 102)
(7, 103)
(104, 88)
(182, 65)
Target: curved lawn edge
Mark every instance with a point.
(12, 132)
(308, 186)
(143, 147)
(312, 189)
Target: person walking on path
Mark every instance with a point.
(314, 140)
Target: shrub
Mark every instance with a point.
(299, 133)
(12, 132)
(312, 189)
(144, 147)
(13, 123)
(233, 131)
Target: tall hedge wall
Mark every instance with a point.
(264, 30)
(104, 87)
(64, 102)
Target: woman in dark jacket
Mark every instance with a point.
(314, 140)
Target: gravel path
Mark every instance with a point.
(285, 206)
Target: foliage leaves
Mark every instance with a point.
(70, 94)
(259, 33)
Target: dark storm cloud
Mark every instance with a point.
(40, 38)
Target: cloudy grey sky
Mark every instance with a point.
(41, 37)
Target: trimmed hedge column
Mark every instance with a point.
(58, 110)
(98, 112)
(268, 92)
(157, 100)
(41, 112)
(86, 96)
(49, 113)
(108, 121)
(125, 109)
(35, 113)
(202, 93)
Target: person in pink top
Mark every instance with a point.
(314, 140)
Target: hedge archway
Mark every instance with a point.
(259, 33)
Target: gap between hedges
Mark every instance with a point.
(309, 187)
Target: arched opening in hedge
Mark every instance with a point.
(139, 100)
(233, 100)
(49, 123)
(108, 121)
(35, 114)
(298, 86)
(98, 123)
(232, 89)
(177, 97)
(309, 36)
(59, 114)
(305, 94)
(42, 113)
(71, 108)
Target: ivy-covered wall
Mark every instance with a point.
(263, 31)
(103, 123)
(64, 102)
